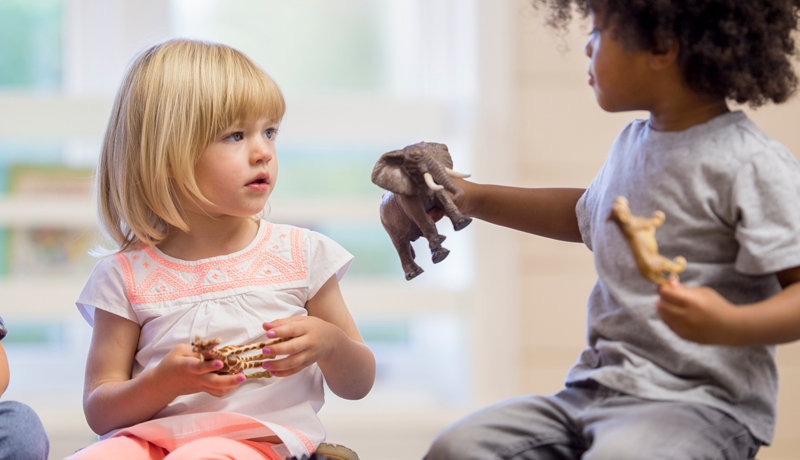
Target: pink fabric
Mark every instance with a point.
(173, 432)
(214, 448)
(121, 448)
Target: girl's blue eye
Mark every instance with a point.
(235, 137)
(270, 133)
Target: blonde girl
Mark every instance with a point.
(187, 165)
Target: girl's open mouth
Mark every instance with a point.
(261, 182)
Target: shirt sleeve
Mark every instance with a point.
(766, 199)
(105, 290)
(3, 330)
(325, 259)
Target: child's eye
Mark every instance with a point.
(270, 133)
(234, 137)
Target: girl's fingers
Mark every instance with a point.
(280, 328)
(220, 385)
(205, 367)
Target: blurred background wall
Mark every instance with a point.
(503, 315)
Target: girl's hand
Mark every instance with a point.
(698, 314)
(311, 339)
(183, 372)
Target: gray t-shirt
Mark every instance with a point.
(731, 196)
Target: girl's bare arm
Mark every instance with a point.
(350, 369)
(112, 399)
(327, 336)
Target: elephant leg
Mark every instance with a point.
(451, 210)
(402, 244)
(439, 254)
(406, 253)
(435, 239)
(401, 231)
(418, 213)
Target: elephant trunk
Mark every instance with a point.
(438, 175)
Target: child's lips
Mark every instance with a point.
(259, 182)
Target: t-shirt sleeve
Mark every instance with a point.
(766, 200)
(105, 290)
(3, 330)
(325, 259)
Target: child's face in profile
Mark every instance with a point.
(238, 170)
(618, 74)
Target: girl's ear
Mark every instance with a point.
(660, 60)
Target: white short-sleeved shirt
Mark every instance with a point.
(226, 297)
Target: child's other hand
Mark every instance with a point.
(183, 372)
(311, 340)
(698, 314)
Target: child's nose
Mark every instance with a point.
(262, 151)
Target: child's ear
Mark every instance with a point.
(665, 57)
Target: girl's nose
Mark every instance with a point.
(263, 151)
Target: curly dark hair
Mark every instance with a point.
(735, 49)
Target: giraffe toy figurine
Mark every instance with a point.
(236, 358)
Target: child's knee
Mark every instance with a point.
(119, 448)
(451, 443)
(217, 448)
(22, 432)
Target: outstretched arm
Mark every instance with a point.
(109, 384)
(329, 337)
(548, 212)
(702, 315)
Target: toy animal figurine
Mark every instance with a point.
(233, 360)
(327, 451)
(418, 178)
(640, 233)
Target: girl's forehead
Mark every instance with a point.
(254, 120)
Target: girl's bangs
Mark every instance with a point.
(250, 95)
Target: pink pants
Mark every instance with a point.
(214, 448)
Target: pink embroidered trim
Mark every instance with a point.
(170, 280)
(306, 442)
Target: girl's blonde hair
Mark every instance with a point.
(175, 99)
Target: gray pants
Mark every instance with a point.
(594, 423)
(22, 435)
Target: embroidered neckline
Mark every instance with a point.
(263, 233)
(152, 276)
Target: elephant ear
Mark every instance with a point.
(388, 174)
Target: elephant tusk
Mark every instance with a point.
(431, 183)
(460, 175)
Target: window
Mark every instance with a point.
(30, 44)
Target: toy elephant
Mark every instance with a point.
(418, 179)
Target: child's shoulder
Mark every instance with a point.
(287, 233)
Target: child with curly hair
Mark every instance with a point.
(683, 370)
(186, 168)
